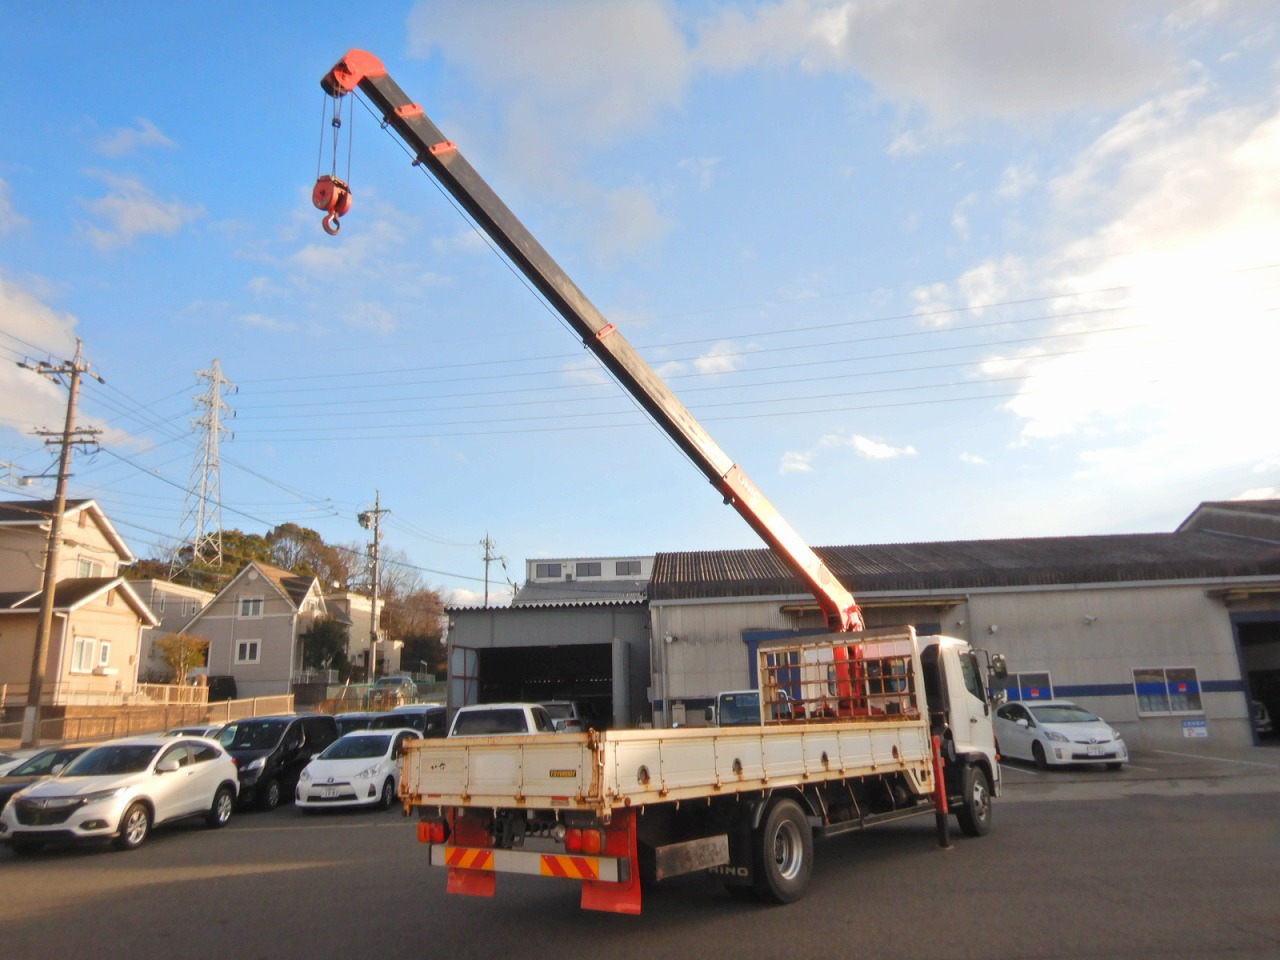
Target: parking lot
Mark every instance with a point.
(1177, 855)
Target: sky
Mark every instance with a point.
(926, 272)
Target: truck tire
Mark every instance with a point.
(783, 854)
(974, 812)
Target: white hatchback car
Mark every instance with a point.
(121, 790)
(360, 768)
(1055, 732)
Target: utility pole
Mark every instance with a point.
(372, 519)
(489, 557)
(69, 438)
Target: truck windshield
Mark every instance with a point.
(739, 709)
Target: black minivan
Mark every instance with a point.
(270, 753)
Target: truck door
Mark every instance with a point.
(969, 708)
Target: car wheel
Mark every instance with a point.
(784, 854)
(25, 846)
(1037, 754)
(134, 827)
(220, 811)
(388, 794)
(269, 794)
(974, 812)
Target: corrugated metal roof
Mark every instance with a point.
(568, 593)
(970, 564)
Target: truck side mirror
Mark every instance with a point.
(999, 666)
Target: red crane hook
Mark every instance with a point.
(334, 196)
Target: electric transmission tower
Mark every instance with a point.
(201, 525)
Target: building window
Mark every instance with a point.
(251, 607)
(88, 568)
(1026, 686)
(104, 653)
(247, 651)
(627, 568)
(588, 569)
(1167, 690)
(82, 650)
(543, 570)
(159, 602)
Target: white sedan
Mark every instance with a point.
(1055, 732)
(358, 769)
(121, 790)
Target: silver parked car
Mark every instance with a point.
(121, 790)
(1055, 733)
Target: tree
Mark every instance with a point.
(182, 653)
(303, 551)
(324, 646)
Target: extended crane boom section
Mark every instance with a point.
(359, 69)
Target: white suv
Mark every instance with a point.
(121, 790)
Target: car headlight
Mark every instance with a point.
(306, 774)
(368, 773)
(99, 796)
(256, 764)
(1055, 735)
(1115, 735)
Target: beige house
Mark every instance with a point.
(355, 612)
(98, 617)
(254, 627)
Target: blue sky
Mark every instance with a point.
(925, 271)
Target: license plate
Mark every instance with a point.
(328, 793)
(1095, 751)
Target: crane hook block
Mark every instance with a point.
(333, 196)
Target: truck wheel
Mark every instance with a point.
(974, 812)
(784, 854)
(269, 794)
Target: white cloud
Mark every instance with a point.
(628, 221)
(794, 461)
(868, 448)
(131, 210)
(1003, 58)
(722, 357)
(973, 459)
(260, 321)
(1015, 181)
(10, 219)
(1259, 493)
(960, 215)
(702, 168)
(124, 141)
(28, 400)
(629, 61)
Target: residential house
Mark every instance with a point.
(355, 612)
(254, 627)
(174, 604)
(94, 641)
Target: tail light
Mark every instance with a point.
(432, 831)
(583, 841)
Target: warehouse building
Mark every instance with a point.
(1168, 635)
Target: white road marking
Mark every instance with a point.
(1201, 756)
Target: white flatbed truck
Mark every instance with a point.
(853, 725)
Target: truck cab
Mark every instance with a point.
(735, 708)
